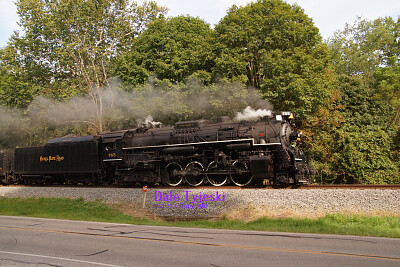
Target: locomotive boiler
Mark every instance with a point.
(190, 152)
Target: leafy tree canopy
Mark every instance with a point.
(171, 49)
(388, 89)
(72, 42)
(274, 46)
(366, 45)
(67, 45)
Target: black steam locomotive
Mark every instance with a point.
(190, 152)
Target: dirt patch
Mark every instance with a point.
(135, 210)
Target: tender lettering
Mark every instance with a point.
(56, 158)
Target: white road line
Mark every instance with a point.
(58, 258)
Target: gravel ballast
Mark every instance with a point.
(305, 201)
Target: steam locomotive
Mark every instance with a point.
(190, 152)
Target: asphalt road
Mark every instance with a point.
(47, 242)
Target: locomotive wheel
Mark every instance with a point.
(216, 179)
(172, 178)
(242, 177)
(194, 175)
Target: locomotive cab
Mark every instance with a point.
(111, 154)
(112, 146)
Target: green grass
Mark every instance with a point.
(63, 208)
(78, 209)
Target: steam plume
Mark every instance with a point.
(150, 123)
(117, 109)
(250, 114)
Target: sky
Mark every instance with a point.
(328, 15)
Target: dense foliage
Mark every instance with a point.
(366, 57)
(275, 47)
(82, 67)
(173, 50)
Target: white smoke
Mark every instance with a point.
(250, 114)
(150, 123)
(111, 108)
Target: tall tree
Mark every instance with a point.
(366, 45)
(71, 43)
(16, 90)
(387, 82)
(171, 49)
(275, 47)
(366, 57)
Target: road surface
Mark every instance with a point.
(48, 242)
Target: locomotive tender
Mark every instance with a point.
(190, 152)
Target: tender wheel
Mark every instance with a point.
(172, 176)
(10, 179)
(107, 177)
(216, 179)
(194, 175)
(40, 180)
(242, 177)
(87, 180)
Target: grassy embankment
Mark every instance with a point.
(78, 209)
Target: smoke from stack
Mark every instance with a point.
(250, 114)
(118, 109)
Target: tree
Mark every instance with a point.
(275, 47)
(362, 144)
(388, 88)
(364, 155)
(366, 57)
(71, 43)
(173, 49)
(366, 45)
(16, 90)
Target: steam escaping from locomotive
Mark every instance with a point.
(110, 108)
(150, 123)
(250, 114)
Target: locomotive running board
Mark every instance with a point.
(268, 144)
(204, 143)
(112, 159)
(190, 144)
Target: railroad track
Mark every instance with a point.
(312, 186)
